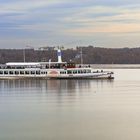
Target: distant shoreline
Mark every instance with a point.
(90, 55)
(115, 66)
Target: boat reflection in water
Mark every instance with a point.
(48, 109)
(49, 86)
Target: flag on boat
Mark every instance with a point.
(78, 56)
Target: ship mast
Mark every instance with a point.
(24, 59)
(81, 52)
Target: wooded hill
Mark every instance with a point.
(91, 55)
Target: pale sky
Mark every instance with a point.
(71, 23)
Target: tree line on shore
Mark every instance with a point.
(90, 55)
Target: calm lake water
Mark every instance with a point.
(71, 109)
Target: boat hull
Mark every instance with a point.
(58, 76)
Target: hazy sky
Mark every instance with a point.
(103, 23)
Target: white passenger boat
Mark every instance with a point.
(50, 70)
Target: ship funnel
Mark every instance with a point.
(59, 56)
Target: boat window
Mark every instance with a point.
(75, 71)
(32, 72)
(26, 72)
(69, 72)
(12, 67)
(8, 67)
(47, 66)
(20, 67)
(84, 71)
(79, 71)
(71, 65)
(43, 72)
(1, 72)
(11, 72)
(88, 71)
(21, 72)
(5, 72)
(16, 72)
(62, 72)
(38, 72)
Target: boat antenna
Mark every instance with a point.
(81, 52)
(24, 59)
(24, 52)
